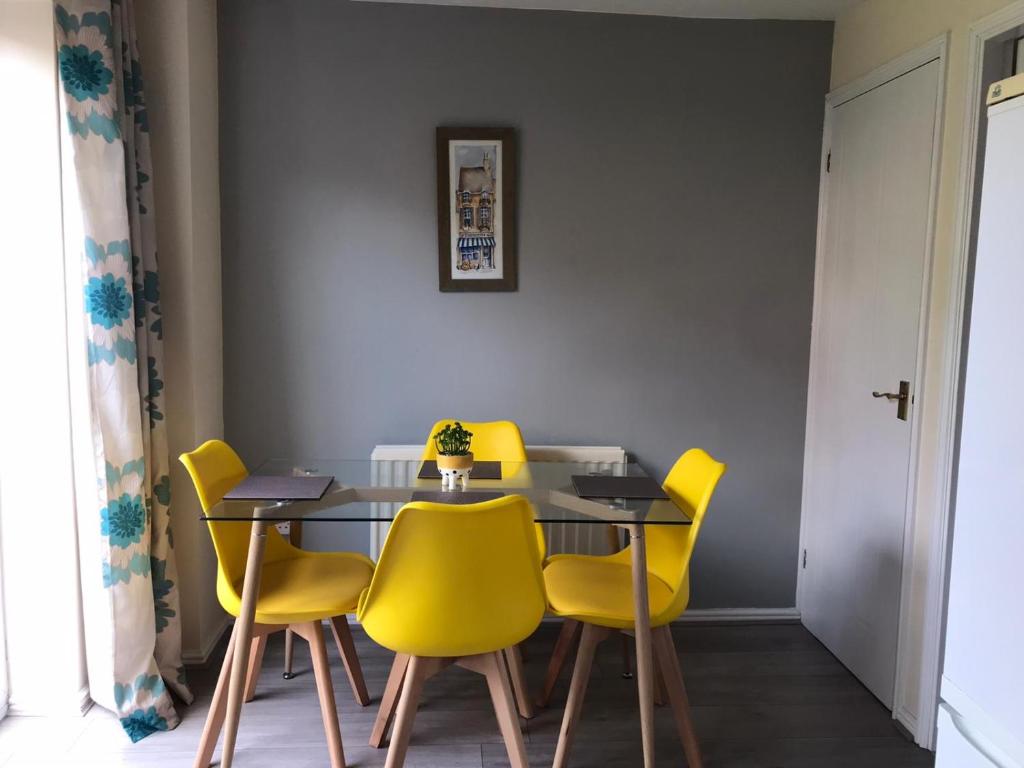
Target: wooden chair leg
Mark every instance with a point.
(514, 660)
(665, 652)
(347, 649)
(418, 670)
(592, 636)
(660, 694)
(627, 659)
(314, 633)
(252, 676)
(563, 646)
(505, 708)
(289, 654)
(389, 701)
(218, 709)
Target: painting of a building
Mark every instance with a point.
(476, 196)
(474, 204)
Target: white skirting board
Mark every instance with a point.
(712, 616)
(740, 616)
(199, 657)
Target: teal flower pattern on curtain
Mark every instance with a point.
(131, 611)
(107, 301)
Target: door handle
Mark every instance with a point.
(890, 395)
(902, 398)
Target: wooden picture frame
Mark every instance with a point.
(476, 209)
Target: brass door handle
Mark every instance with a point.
(902, 398)
(891, 395)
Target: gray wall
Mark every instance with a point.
(668, 192)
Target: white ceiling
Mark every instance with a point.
(703, 9)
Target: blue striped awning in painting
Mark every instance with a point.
(475, 242)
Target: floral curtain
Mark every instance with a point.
(130, 595)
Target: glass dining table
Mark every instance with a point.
(361, 494)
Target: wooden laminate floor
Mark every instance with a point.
(764, 696)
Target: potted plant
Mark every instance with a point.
(454, 459)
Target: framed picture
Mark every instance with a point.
(476, 209)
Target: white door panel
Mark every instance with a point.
(875, 249)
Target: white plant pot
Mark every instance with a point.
(454, 470)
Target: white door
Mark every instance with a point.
(867, 315)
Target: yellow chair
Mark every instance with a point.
(298, 590)
(598, 592)
(492, 441)
(456, 584)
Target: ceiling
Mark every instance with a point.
(704, 9)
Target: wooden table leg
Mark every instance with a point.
(295, 539)
(242, 637)
(644, 647)
(615, 545)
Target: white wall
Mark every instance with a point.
(37, 512)
(178, 50)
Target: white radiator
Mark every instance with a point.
(397, 465)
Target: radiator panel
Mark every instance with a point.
(397, 465)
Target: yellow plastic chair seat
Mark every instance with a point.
(599, 590)
(312, 586)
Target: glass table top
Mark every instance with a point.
(374, 491)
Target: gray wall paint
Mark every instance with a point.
(668, 192)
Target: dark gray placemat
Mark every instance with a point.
(456, 497)
(482, 470)
(280, 488)
(613, 487)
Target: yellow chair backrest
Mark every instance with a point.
(492, 440)
(456, 580)
(215, 469)
(690, 484)
(495, 441)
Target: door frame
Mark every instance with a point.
(907, 685)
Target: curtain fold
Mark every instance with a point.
(129, 576)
